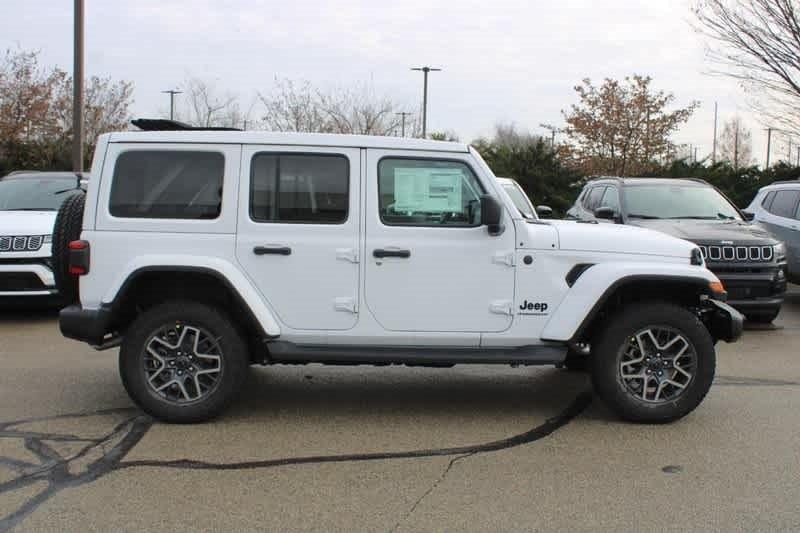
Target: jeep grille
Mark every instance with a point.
(716, 253)
(21, 243)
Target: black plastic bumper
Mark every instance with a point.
(725, 322)
(88, 325)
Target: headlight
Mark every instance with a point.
(779, 252)
(47, 239)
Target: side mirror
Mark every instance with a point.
(544, 211)
(491, 214)
(605, 213)
(748, 216)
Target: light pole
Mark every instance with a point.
(77, 95)
(714, 149)
(769, 145)
(425, 70)
(403, 115)
(172, 93)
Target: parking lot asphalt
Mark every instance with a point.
(395, 448)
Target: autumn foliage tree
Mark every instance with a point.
(621, 127)
(36, 112)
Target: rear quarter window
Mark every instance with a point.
(167, 184)
(785, 203)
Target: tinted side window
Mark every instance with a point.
(784, 203)
(422, 192)
(167, 184)
(767, 201)
(299, 188)
(593, 200)
(611, 199)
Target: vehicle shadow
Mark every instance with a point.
(317, 390)
(28, 313)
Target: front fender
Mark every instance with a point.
(597, 283)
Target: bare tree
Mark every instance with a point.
(621, 127)
(758, 43)
(294, 106)
(736, 144)
(205, 105)
(106, 107)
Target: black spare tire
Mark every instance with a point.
(67, 228)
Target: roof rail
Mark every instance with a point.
(596, 178)
(162, 124)
(784, 182)
(22, 172)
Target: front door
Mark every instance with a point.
(430, 265)
(298, 232)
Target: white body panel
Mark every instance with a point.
(316, 286)
(453, 277)
(27, 223)
(460, 286)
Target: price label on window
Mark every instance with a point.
(428, 190)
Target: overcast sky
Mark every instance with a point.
(509, 61)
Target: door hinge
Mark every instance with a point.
(501, 307)
(504, 258)
(345, 303)
(347, 254)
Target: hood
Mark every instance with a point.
(616, 238)
(27, 222)
(710, 231)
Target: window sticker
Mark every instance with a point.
(428, 190)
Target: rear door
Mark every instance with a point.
(298, 232)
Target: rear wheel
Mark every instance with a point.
(183, 361)
(67, 228)
(653, 363)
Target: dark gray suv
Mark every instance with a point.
(748, 260)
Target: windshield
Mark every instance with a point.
(677, 201)
(521, 201)
(35, 194)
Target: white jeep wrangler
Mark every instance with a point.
(203, 252)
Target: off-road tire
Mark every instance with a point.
(234, 360)
(606, 357)
(67, 228)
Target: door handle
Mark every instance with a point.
(272, 250)
(380, 253)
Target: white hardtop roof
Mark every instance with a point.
(285, 138)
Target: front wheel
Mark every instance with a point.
(654, 363)
(183, 361)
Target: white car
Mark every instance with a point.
(202, 252)
(29, 202)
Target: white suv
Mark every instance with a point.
(202, 252)
(28, 205)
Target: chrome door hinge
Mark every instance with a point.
(345, 303)
(501, 307)
(347, 254)
(504, 258)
